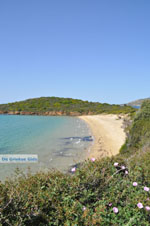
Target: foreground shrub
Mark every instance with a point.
(98, 193)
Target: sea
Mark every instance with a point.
(60, 142)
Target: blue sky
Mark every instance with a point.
(92, 50)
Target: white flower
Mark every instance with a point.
(146, 189)
(123, 167)
(73, 169)
(147, 208)
(115, 209)
(116, 164)
(140, 205)
(84, 208)
(93, 159)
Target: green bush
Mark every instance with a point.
(85, 198)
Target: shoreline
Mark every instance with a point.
(47, 113)
(108, 133)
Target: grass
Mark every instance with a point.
(89, 195)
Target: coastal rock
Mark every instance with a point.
(11, 113)
(47, 113)
(27, 113)
(52, 113)
(17, 112)
(59, 113)
(3, 112)
(14, 113)
(74, 114)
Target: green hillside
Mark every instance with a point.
(112, 191)
(138, 102)
(44, 105)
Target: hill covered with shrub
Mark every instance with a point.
(111, 191)
(62, 106)
(138, 102)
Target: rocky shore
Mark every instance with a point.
(48, 113)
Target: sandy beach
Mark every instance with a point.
(108, 134)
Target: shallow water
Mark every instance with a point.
(59, 142)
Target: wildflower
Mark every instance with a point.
(140, 205)
(116, 164)
(110, 204)
(115, 209)
(126, 172)
(146, 189)
(123, 167)
(84, 208)
(147, 199)
(147, 208)
(93, 159)
(135, 184)
(73, 169)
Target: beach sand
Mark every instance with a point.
(108, 134)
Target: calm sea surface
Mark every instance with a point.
(59, 142)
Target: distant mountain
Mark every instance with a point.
(137, 102)
(61, 106)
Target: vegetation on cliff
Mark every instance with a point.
(139, 131)
(112, 191)
(44, 105)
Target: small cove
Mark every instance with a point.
(59, 142)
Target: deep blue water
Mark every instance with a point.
(136, 107)
(59, 141)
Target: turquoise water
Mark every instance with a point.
(59, 142)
